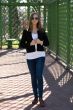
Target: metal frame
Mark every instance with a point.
(67, 53)
(13, 3)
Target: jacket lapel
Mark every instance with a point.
(30, 36)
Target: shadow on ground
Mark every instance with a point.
(60, 82)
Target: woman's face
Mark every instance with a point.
(35, 19)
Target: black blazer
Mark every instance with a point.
(27, 38)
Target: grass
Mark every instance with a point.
(15, 44)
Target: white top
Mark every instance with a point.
(36, 54)
(35, 36)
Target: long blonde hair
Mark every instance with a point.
(39, 26)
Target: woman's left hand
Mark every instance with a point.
(39, 42)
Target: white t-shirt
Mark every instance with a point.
(36, 54)
(35, 36)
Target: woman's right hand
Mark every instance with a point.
(33, 42)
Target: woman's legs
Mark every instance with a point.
(36, 70)
(32, 69)
(39, 74)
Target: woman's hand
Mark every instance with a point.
(33, 42)
(39, 42)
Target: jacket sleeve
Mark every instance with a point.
(46, 40)
(22, 43)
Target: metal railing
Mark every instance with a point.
(60, 30)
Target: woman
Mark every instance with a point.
(33, 40)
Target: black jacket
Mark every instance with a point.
(27, 38)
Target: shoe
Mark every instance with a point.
(35, 101)
(42, 104)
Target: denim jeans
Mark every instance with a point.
(36, 70)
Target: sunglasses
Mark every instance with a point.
(36, 18)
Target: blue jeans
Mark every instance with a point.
(36, 70)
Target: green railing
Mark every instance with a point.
(61, 30)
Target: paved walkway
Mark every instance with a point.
(15, 84)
